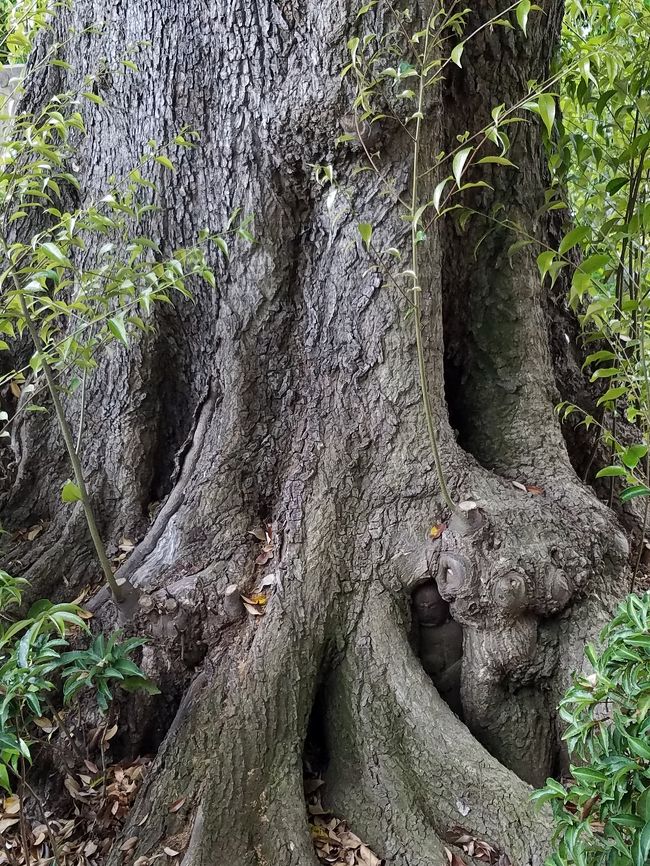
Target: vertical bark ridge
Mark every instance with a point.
(495, 311)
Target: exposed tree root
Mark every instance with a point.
(403, 769)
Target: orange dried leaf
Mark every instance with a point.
(12, 805)
(178, 804)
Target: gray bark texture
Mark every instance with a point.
(289, 396)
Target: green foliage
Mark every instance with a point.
(20, 20)
(36, 665)
(106, 661)
(603, 815)
(601, 156)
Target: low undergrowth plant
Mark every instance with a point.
(602, 814)
(40, 674)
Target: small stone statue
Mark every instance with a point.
(439, 643)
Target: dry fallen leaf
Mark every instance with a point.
(253, 610)
(256, 598)
(12, 805)
(453, 858)
(170, 852)
(437, 529)
(178, 804)
(534, 489)
(130, 844)
(109, 734)
(269, 580)
(5, 823)
(368, 858)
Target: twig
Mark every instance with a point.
(66, 432)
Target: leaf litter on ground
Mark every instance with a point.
(85, 831)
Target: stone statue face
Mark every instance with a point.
(429, 606)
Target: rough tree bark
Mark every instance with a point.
(289, 396)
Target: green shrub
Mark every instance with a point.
(603, 815)
(37, 666)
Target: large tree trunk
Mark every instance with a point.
(289, 396)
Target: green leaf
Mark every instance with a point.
(518, 245)
(601, 355)
(588, 775)
(594, 263)
(165, 161)
(546, 104)
(438, 191)
(643, 805)
(604, 373)
(457, 53)
(221, 245)
(93, 97)
(365, 230)
(458, 163)
(612, 394)
(641, 847)
(544, 262)
(522, 11)
(54, 254)
(117, 328)
(70, 492)
(632, 493)
(575, 236)
(497, 160)
(615, 184)
(134, 684)
(611, 472)
(633, 454)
